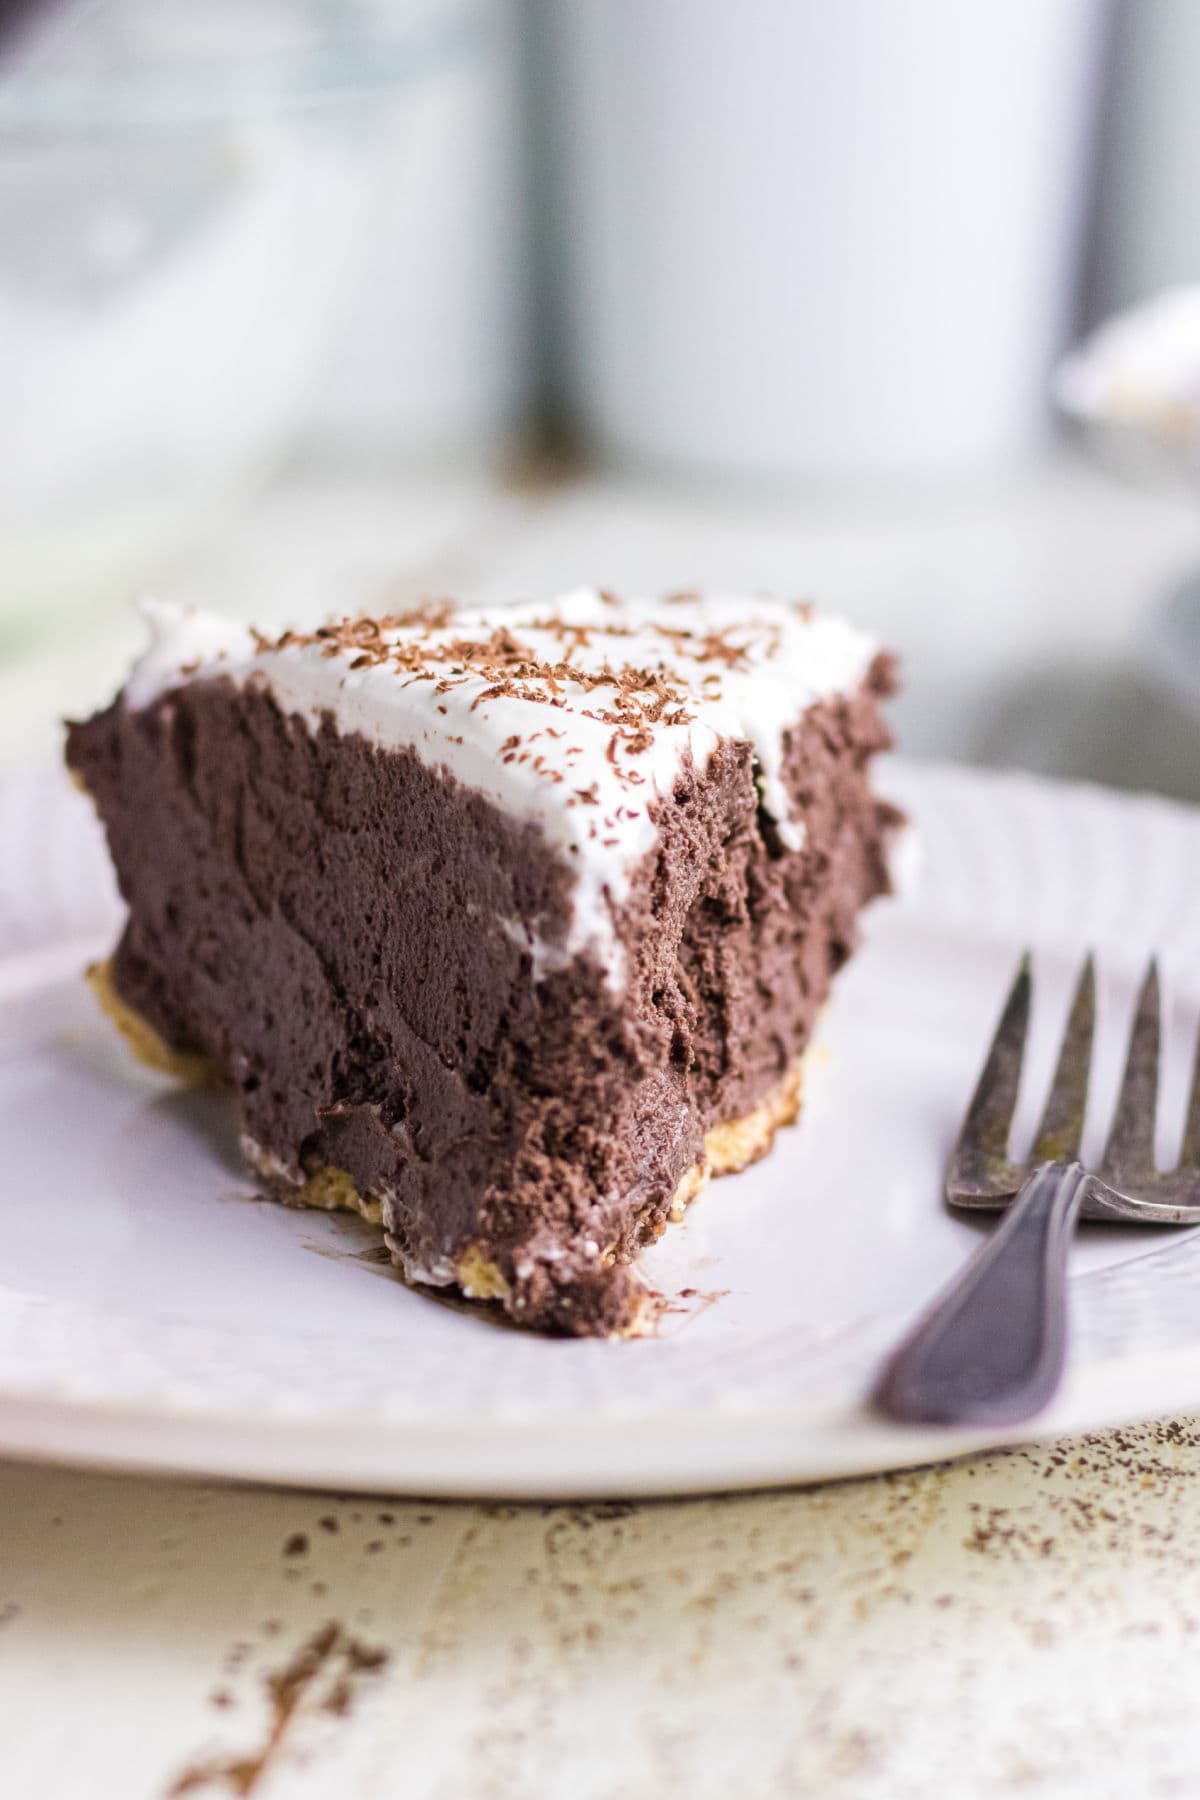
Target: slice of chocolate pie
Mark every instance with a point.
(505, 926)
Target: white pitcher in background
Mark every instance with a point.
(820, 242)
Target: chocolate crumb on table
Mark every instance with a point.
(324, 1674)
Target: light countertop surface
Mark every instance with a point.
(1022, 1624)
(1017, 1624)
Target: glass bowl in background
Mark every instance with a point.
(181, 220)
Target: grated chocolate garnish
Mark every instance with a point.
(504, 662)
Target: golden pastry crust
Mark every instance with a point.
(730, 1148)
(333, 1190)
(733, 1146)
(144, 1042)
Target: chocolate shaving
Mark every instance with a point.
(634, 701)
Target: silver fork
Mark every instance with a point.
(991, 1348)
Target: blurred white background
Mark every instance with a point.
(307, 304)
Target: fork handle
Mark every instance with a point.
(991, 1348)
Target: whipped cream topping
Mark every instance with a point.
(575, 715)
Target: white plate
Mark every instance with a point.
(154, 1315)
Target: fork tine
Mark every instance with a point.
(983, 1139)
(1061, 1131)
(1130, 1146)
(1189, 1156)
